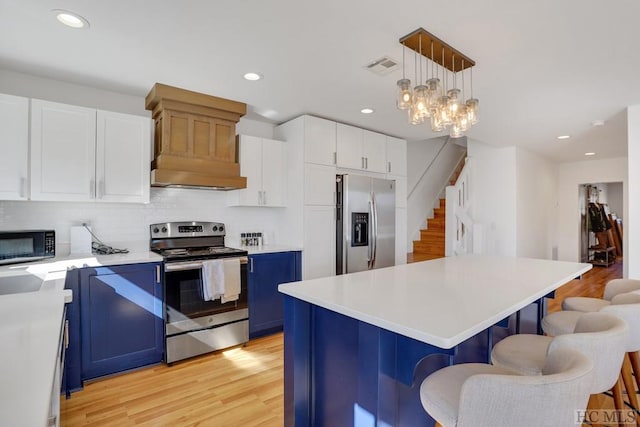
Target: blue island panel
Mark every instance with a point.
(340, 371)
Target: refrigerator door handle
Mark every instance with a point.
(375, 230)
(370, 231)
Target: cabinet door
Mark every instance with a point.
(349, 147)
(319, 255)
(14, 145)
(122, 324)
(266, 304)
(396, 156)
(122, 157)
(374, 151)
(319, 185)
(274, 169)
(401, 190)
(63, 152)
(319, 141)
(251, 168)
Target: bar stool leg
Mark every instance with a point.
(593, 405)
(618, 401)
(635, 365)
(629, 384)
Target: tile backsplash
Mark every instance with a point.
(119, 222)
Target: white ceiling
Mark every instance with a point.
(544, 68)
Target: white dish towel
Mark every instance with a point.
(231, 290)
(213, 279)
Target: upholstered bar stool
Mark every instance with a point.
(613, 288)
(480, 395)
(600, 336)
(625, 306)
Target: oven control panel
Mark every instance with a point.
(186, 229)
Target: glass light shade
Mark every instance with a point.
(421, 100)
(462, 119)
(404, 94)
(454, 103)
(443, 111)
(436, 123)
(415, 116)
(454, 131)
(433, 90)
(472, 110)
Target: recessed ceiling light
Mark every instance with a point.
(366, 111)
(564, 137)
(597, 123)
(70, 19)
(252, 76)
(590, 153)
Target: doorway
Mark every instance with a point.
(601, 223)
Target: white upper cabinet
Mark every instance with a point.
(396, 156)
(263, 163)
(122, 157)
(360, 149)
(374, 150)
(319, 141)
(81, 154)
(274, 167)
(63, 152)
(14, 145)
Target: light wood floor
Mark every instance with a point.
(242, 386)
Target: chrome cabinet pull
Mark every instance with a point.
(157, 274)
(389, 167)
(92, 189)
(335, 157)
(23, 187)
(251, 265)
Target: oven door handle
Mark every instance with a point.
(193, 265)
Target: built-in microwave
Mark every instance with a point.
(26, 245)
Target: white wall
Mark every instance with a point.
(493, 196)
(631, 213)
(422, 200)
(615, 198)
(570, 177)
(536, 205)
(117, 222)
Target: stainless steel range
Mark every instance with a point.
(196, 322)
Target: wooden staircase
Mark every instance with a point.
(431, 243)
(432, 239)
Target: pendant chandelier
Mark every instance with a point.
(436, 97)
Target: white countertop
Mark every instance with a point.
(440, 302)
(30, 326)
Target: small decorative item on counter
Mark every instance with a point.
(251, 239)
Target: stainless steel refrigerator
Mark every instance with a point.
(366, 223)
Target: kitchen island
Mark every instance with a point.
(357, 346)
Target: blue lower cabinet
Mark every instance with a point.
(121, 318)
(72, 378)
(266, 304)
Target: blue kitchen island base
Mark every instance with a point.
(339, 371)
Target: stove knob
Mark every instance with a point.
(221, 228)
(215, 228)
(156, 230)
(164, 229)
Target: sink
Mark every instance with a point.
(16, 284)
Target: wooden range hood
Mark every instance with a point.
(195, 139)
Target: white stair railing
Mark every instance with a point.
(459, 226)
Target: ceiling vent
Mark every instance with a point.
(382, 66)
